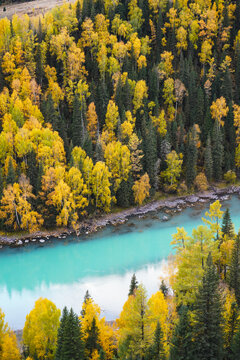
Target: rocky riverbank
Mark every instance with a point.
(89, 226)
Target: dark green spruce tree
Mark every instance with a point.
(78, 11)
(199, 114)
(208, 337)
(87, 296)
(227, 225)
(124, 194)
(164, 288)
(1, 183)
(150, 150)
(156, 350)
(77, 133)
(207, 124)
(70, 345)
(92, 339)
(191, 164)
(181, 347)
(73, 345)
(234, 269)
(32, 170)
(50, 114)
(11, 175)
(237, 70)
(133, 285)
(217, 152)
(231, 325)
(235, 346)
(61, 332)
(208, 162)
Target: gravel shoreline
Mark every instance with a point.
(169, 206)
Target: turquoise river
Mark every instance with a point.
(103, 263)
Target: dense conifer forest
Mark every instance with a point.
(106, 103)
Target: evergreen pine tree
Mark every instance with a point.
(69, 343)
(181, 347)
(101, 102)
(181, 67)
(78, 10)
(77, 123)
(11, 175)
(32, 170)
(164, 288)
(217, 152)
(229, 141)
(226, 86)
(231, 327)
(40, 31)
(1, 183)
(227, 225)
(173, 134)
(61, 128)
(119, 99)
(192, 95)
(61, 331)
(99, 156)
(150, 150)
(88, 145)
(207, 124)
(39, 178)
(234, 269)
(235, 346)
(237, 70)
(124, 194)
(159, 35)
(208, 162)
(126, 94)
(86, 297)
(92, 339)
(53, 117)
(156, 350)
(73, 345)
(199, 110)
(208, 340)
(39, 64)
(133, 285)
(191, 165)
(153, 85)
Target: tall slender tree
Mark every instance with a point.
(234, 270)
(227, 225)
(208, 337)
(156, 350)
(208, 161)
(181, 347)
(92, 339)
(217, 152)
(133, 285)
(69, 344)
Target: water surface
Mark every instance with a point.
(103, 263)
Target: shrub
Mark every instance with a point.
(230, 177)
(201, 182)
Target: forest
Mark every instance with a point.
(195, 314)
(106, 103)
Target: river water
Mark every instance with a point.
(103, 263)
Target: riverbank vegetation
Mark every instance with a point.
(194, 315)
(105, 103)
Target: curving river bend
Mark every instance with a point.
(103, 263)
